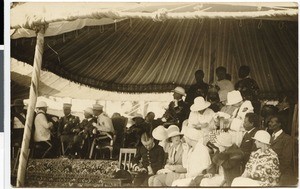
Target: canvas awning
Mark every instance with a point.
(153, 47)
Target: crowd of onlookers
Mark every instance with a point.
(220, 134)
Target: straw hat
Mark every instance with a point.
(18, 102)
(262, 136)
(97, 107)
(160, 133)
(179, 90)
(224, 139)
(89, 111)
(234, 97)
(193, 133)
(199, 104)
(41, 104)
(172, 131)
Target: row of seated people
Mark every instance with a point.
(65, 136)
(194, 158)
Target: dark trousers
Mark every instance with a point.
(141, 179)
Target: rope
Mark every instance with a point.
(37, 64)
(160, 15)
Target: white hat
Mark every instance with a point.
(41, 104)
(236, 124)
(199, 104)
(173, 130)
(193, 133)
(67, 105)
(234, 97)
(160, 133)
(89, 111)
(179, 90)
(262, 136)
(224, 139)
(97, 107)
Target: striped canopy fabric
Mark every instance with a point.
(142, 55)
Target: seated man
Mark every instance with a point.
(42, 133)
(177, 110)
(84, 136)
(66, 127)
(148, 160)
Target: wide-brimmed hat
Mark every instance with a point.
(97, 107)
(89, 111)
(160, 133)
(193, 133)
(67, 105)
(18, 102)
(41, 104)
(179, 90)
(224, 139)
(199, 104)
(173, 130)
(262, 136)
(234, 97)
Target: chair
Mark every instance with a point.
(125, 162)
(96, 144)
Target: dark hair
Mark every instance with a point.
(253, 118)
(146, 137)
(200, 73)
(244, 71)
(221, 69)
(279, 118)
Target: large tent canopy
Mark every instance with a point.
(153, 47)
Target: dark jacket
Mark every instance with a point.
(67, 124)
(154, 157)
(195, 90)
(247, 145)
(282, 145)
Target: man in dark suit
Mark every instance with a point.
(281, 143)
(251, 124)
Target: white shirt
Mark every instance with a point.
(42, 127)
(198, 159)
(17, 123)
(104, 123)
(277, 134)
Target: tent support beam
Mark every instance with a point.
(33, 94)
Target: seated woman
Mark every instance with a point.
(262, 169)
(174, 161)
(229, 158)
(196, 160)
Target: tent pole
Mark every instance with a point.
(33, 94)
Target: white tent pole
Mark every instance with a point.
(33, 94)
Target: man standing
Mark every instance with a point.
(248, 87)
(251, 124)
(223, 83)
(281, 143)
(198, 89)
(66, 128)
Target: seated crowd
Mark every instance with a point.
(215, 137)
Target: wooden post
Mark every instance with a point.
(33, 94)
